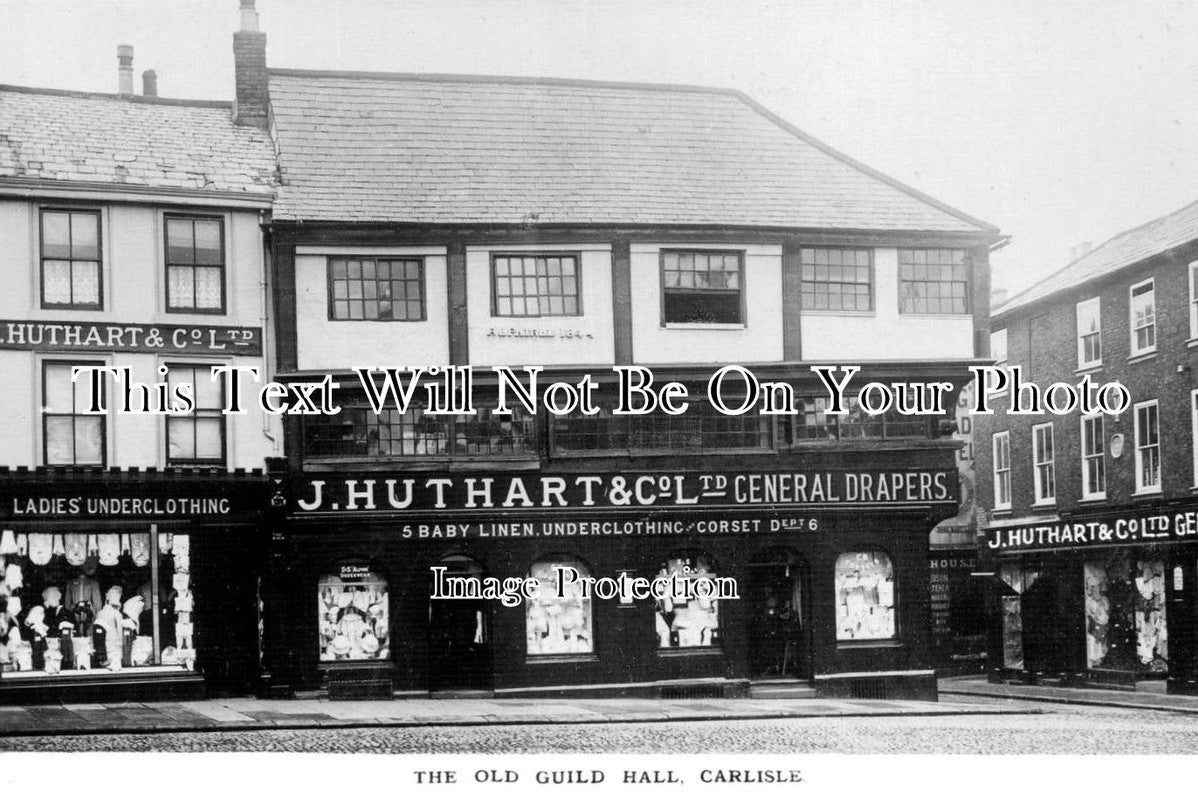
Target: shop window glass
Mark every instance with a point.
(688, 620)
(865, 604)
(1125, 614)
(558, 625)
(353, 609)
(1152, 641)
(78, 603)
(356, 431)
(1019, 579)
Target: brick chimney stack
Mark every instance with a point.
(249, 70)
(149, 83)
(124, 70)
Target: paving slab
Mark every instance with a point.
(1147, 700)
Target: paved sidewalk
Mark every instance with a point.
(252, 714)
(956, 689)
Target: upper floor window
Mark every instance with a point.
(1148, 447)
(70, 436)
(1044, 463)
(1002, 470)
(1194, 430)
(1093, 458)
(933, 281)
(835, 279)
(702, 286)
(195, 264)
(1089, 333)
(198, 437)
(383, 289)
(813, 423)
(700, 428)
(1193, 300)
(544, 285)
(71, 262)
(1143, 317)
(357, 432)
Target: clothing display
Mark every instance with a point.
(558, 619)
(692, 620)
(864, 585)
(352, 616)
(78, 601)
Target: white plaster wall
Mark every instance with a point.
(758, 339)
(324, 344)
(134, 293)
(884, 333)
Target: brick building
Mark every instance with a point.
(429, 220)
(1091, 516)
(131, 238)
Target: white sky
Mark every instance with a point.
(1057, 121)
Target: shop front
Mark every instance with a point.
(664, 583)
(1094, 599)
(123, 584)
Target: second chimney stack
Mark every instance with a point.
(124, 71)
(149, 83)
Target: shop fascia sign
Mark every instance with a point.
(1123, 530)
(538, 492)
(122, 337)
(183, 500)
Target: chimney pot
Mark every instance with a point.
(124, 70)
(149, 83)
(249, 16)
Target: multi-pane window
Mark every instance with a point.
(535, 285)
(376, 289)
(836, 279)
(357, 432)
(1148, 447)
(1143, 317)
(198, 437)
(933, 281)
(1194, 299)
(195, 264)
(558, 619)
(814, 423)
(702, 287)
(1044, 463)
(688, 619)
(1194, 431)
(1002, 470)
(71, 259)
(1089, 335)
(70, 436)
(1093, 458)
(700, 428)
(865, 597)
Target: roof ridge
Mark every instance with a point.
(862, 167)
(1011, 302)
(451, 77)
(130, 98)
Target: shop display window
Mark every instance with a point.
(559, 619)
(353, 609)
(1125, 614)
(687, 619)
(1019, 579)
(864, 596)
(75, 603)
(1152, 641)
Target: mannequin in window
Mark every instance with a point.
(107, 635)
(60, 621)
(84, 589)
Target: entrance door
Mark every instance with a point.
(778, 613)
(459, 633)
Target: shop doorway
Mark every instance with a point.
(459, 634)
(778, 607)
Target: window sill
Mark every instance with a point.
(682, 652)
(869, 644)
(1088, 369)
(935, 315)
(1147, 355)
(827, 312)
(1005, 511)
(1098, 498)
(1039, 504)
(704, 326)
(562, 658)
(1192, 341)
(205, 312)
(1148, 493)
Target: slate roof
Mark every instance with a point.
(367, 147)
(49, 135)
(1122, 250)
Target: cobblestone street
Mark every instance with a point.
(1058, 729)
